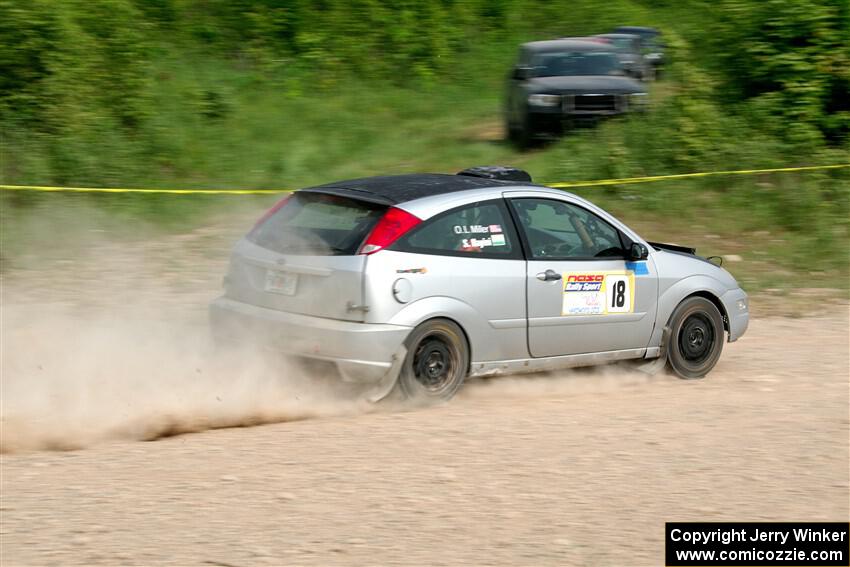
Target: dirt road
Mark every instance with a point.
(576, 469)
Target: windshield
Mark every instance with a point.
(620, 42)
(317, 224)
(576, 63)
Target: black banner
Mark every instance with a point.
(757, 544)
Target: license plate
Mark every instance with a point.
(281, 282)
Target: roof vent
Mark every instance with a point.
(501, 172)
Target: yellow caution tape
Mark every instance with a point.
(557, 185)
(647, 179)
(135, 190)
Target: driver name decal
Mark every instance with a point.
(474, 229)
(598, 293)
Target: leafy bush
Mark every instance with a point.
(787, 61)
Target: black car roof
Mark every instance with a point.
(566, 44)
(395, 189)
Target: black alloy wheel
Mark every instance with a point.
(437, 361)
(696, 338)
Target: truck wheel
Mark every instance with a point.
(436, 363)
(511, 130)
(696, 338)
(524, 137)
(520, 133)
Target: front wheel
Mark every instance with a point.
(520, 134)
(696, 338)
(436, 363)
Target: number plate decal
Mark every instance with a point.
(281, 282)
(598, 293)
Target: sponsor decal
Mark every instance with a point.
(586, 277)
(583, 282)
(583, 286)
(412, 271)
(598, 293)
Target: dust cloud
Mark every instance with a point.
(69, 381)
(104, 336)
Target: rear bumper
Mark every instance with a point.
(739, 318)
(362, 351)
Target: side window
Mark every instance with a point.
(481, 230)
(557, 230)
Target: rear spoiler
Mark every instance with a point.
(674, 248)
(355, 194)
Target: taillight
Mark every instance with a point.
(277, 206)
(394, 224)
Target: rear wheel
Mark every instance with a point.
(436, 363)
(696, 338)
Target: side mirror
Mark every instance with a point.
(638, 251)
(522, 73)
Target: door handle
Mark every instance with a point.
(548, 276)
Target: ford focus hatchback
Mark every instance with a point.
(414, 282)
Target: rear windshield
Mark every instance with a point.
(317, 225)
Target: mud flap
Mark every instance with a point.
(656, 365)
(388, 381)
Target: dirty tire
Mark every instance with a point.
(696, 338)
(436, 363)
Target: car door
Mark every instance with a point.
(584, 296)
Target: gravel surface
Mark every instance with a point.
(580, 468)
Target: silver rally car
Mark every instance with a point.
(413, 282)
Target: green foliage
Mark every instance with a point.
(60, 67)
(788, 60)
(274, 93)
